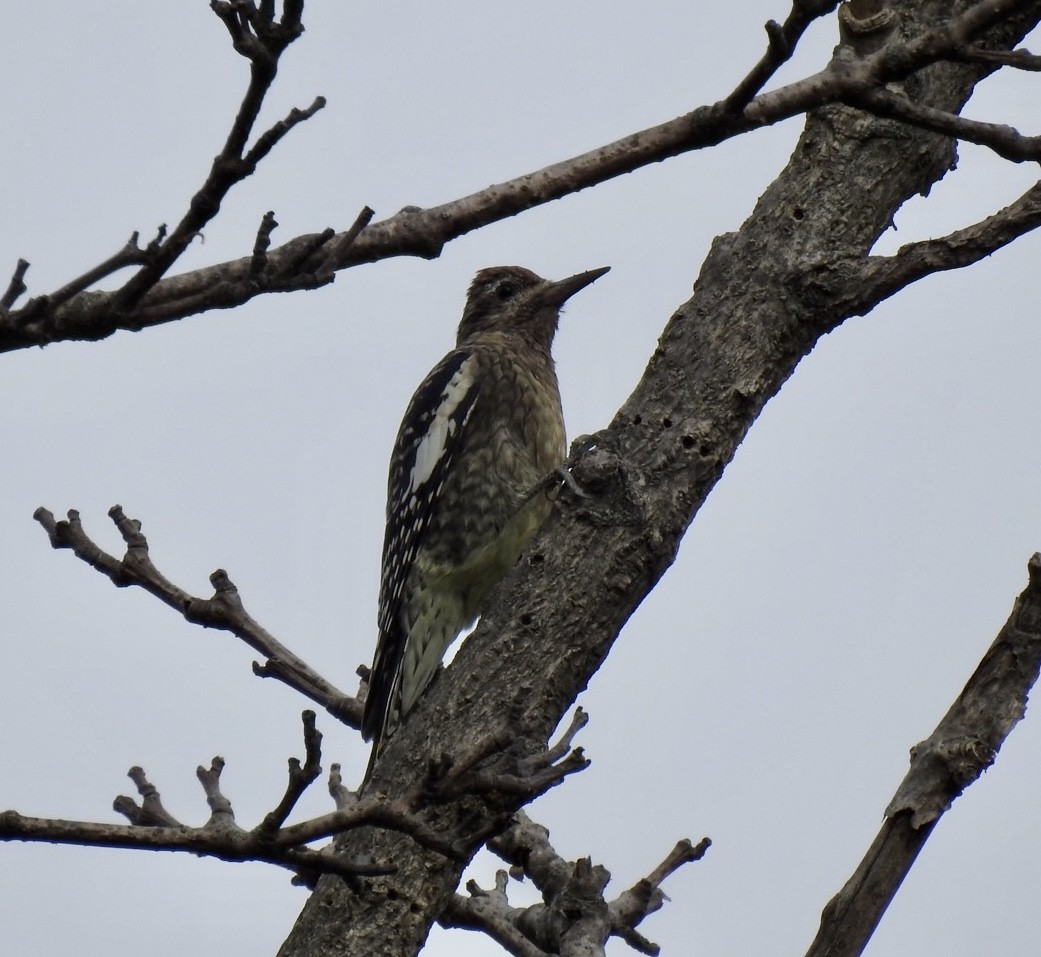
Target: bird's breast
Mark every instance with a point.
(514, 440)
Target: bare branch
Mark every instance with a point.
(222, 817)
(645, 896)
(223, 611)
(508, 773)
(1006, 141)
(289, 268)
(781, 44)
(876, 278)
(525, 846)
(258, 265)
(489, 911)
(1016, 59)
(258, 36)
(683, 853)
(673, 438)
(557, 751)
(964, 744)
(270, 841)
(271, 138)
(342, 244)
(375, 811)
(489, 768)
(575, 918)
(146, 300)
(227, 845)
(154, 828)
(151, 811)
(343, 797)
(993, 702)
(16, 286)
(300, 776)
(130, 255)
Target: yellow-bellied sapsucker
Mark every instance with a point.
(467, 485)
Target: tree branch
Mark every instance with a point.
(722, 355)
(301, 777)
(873, 279)
(1006, 141)
(575, 916)
(152, 827)
(257, 35)
(489, 911)
(645, 896)
(145, 302)
(964, 744)
(1015, 59)
(260, 37)
(715, 369)
(781, 44)
(224, 611)
(151, 811)
(16, 286)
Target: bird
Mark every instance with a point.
(470, 481)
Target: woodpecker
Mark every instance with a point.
(467, 487)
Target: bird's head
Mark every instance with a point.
(514, 300)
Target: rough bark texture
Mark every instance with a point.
(764, 297)
(964, 744)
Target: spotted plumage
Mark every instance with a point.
(483, 429)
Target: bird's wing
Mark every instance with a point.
(429, 439)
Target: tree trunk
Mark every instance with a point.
(764, 297)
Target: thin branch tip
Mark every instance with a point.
(16, 287)
(224, 610)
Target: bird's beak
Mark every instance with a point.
(559, 292)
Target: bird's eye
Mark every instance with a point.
(505, 290)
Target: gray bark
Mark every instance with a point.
(764, 296)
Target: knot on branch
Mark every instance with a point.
(575, 916)
(866, 25)
(601, 482)
(224, 610)
(270, 841)
(941, 768)
(497, 767)
(255, 32)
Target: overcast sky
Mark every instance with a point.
(828, 603)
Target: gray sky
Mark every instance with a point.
(828, 603)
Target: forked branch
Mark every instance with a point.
(575, 916)
(310, 261)
(224, 610)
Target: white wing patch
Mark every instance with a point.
(442, 427)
